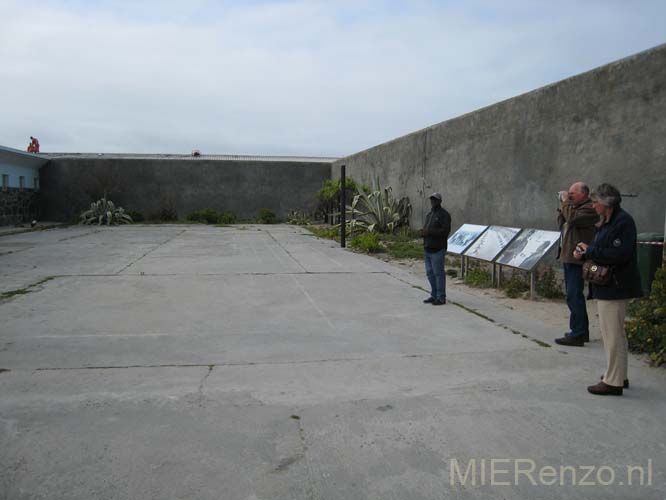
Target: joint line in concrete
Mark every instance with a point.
(285, 250)
(80, 235)
(314, 304)
(274, 363)
(152, 250)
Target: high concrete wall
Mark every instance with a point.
(68, 185)
(505, 163)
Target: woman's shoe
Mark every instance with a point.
(625, 385)
(603, 389)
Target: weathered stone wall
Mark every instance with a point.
(18, 206)
(505, 163)
(69, 184)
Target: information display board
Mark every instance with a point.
(489, 245)
(528, 248)
(465, 235)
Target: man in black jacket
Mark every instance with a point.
(435, 234)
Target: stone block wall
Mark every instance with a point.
(18, 206)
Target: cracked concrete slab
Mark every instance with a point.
(257, 362)
(150, 449)
(210, 319)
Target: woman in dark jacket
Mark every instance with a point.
(613, 245)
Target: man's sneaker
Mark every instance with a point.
(438, 302)
(625, 385)
(586, 336)
(571, 340)
(429, 300)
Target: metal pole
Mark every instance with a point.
(343, 206)
(532, 286)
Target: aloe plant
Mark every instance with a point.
(378, 211)
(105, 212)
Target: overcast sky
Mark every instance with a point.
(287, 77)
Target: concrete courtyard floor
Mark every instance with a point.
(258, 362)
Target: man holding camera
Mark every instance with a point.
(576, 219)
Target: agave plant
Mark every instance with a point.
(105, 212)
(378, 211)
(297, 217)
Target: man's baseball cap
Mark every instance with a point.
(436, 196)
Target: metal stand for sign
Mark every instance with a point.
(532, 286)
(526, 252)
(497, 249)
(522, 251)
(477, 231)
(343, 206)
(497, 273)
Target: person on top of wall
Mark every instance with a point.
(33, 147)
(614, 245)
(435, 234)
(576, 219)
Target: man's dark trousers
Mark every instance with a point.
(573, 280)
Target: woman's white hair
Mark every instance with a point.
(608, 195)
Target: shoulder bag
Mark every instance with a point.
(596, 274)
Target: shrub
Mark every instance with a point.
(547, 285)
(227, 218)
(136, 216)
(516, 285)
(452, 261)
(367, 242)
(404, 249)
(452, 272)
(646, 328)
(478, 278)
(403, 234)
(297, 217)
(204, 216)
(105, 212)
(330, 190)
(328, 232)
(329, 195)
(267, 216)
(165, 214)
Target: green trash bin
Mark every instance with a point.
(650, 248)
